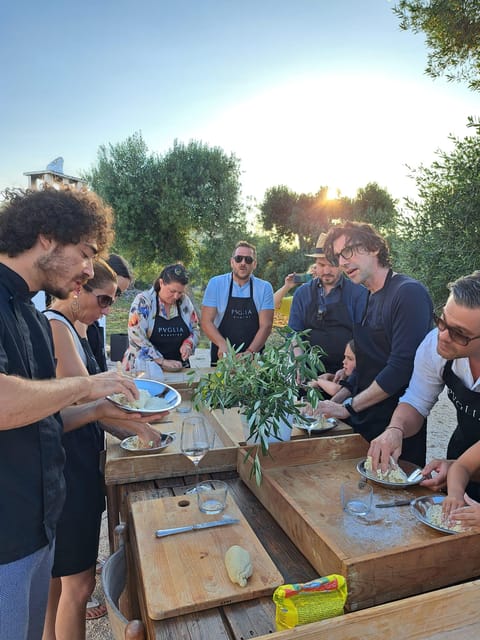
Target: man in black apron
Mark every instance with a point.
(237, 306)
(449, 356)
(328, 305)
(385, 340)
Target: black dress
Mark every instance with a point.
(78, 529)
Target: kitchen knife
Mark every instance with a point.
(161, 533)
(395, 503)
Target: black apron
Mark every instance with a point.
(239, 323)
(96, 340)
(372, 350)
(331, 327)
(467, 433)
(168, 335)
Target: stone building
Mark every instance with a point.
(53, 175)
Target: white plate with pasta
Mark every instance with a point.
(428, 510)
(394, 478)
(134, 445)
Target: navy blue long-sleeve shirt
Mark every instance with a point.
(405, 311)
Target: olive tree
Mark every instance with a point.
(442, 229)
(452, 30)
(172, 207)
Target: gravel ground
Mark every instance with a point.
(440, 426)
(441, 423)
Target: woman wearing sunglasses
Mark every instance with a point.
(96, 331)
(163, 326)
(78, 530)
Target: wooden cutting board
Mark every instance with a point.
(186, 572)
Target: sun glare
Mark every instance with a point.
(333, 193)
(291, 135)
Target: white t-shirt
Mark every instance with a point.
(426, 382)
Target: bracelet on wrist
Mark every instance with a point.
(398, 429)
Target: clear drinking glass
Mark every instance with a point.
(356, 497)
(195, 440)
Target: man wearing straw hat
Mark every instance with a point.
(328, 305)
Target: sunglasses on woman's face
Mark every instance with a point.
(238, 259)
(103, 300)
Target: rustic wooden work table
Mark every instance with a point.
(123, 468)
(236, 621)
(300, 540)
(437, 615)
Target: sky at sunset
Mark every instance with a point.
(306, 93)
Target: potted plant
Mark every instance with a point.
(265, 387)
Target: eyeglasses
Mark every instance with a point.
(103, 300)
(238, 259)
(347, 252)
(455, 335)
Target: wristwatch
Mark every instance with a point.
(348, 406)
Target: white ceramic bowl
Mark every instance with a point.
(172, 397)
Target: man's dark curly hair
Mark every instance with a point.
(358, 233)
(67, 216)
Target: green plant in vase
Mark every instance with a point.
(265, 387)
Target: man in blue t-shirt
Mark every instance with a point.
(238, 306)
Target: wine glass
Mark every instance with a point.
(195, 441)
(308, 420)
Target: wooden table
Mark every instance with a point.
(383, 556)
(123, 468)
(234, 621)
(437, 615)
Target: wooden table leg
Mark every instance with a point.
(113, 509)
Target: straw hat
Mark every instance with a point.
(319, 251)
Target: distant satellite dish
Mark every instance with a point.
(56, 165)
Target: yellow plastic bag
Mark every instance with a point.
(298, 604)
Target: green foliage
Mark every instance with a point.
(376, 206)
(175, 207)
(452, 30)
(301, 217)
(117, 321)
(441, 239)
(129, 179)
(276, 260)
(298, 219)
(264, 387)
